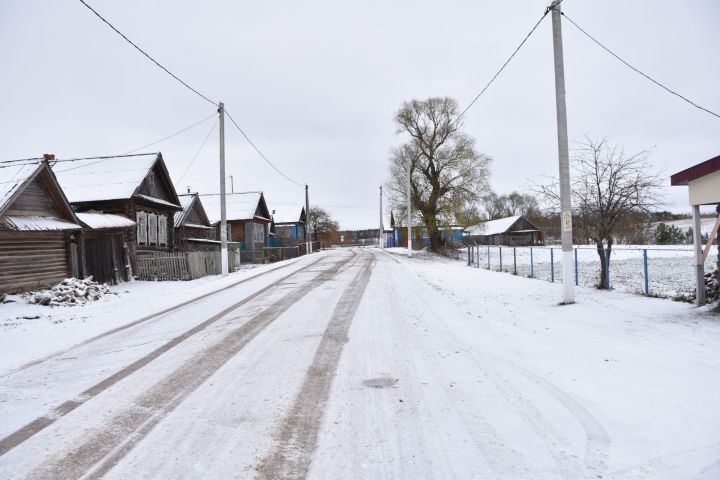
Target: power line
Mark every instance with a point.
(638, 71)
(147, 55)
(173, 135)
(198, 152)
(532, 30)
(262, 155)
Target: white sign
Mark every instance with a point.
(567, 221)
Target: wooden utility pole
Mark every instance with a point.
(564, 158)
(308, 245)
(223, 219)
(382, 227)
(409, 209)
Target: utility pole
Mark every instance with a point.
(409, 210)
(565, 200)
(382, 228)
(223, 219)
(308, 246)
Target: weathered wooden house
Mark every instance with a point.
(248, 221)
(290, 225)
(38, 228)
(193, 230)
(512, 231)
(134, 204)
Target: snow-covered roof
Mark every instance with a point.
(493, 227)
(185, 202)
(288, 214)
(238, 206)
(159, 201)
(111, 178)
(13, 177)
(33, 223)
(96, 220)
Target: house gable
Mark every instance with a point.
(196, 214)
(262, 208)
(40, 196)
(157, 183)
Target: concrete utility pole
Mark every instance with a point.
(223, 219)
(409, 210)
(308, 245)
(565, 200)
(382, 228)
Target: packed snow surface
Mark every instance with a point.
(361, 364)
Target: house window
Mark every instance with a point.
(162, 230)
(258, 233)
(141, 228)
(152, 226)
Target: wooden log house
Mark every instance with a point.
(126, 188)
(511, 231)
(38, 228)
(193, 230)
(248, 221)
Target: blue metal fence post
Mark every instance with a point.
(607, 270)
(501, 258)
(577, 279)
(488, 257)
(532, 265)
(552, 265)
(645, 268)
(477, 258)
(468, 254)
(514, 262)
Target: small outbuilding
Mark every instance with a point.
(193, 230)
(38, 228)
(703, 182)
(512, 231)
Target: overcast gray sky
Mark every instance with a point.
(316, 84)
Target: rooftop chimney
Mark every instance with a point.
(48, 156)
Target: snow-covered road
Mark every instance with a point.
(359, 364)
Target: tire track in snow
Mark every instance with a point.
(102, 449)
(298, 432)
(138, 322)
(597, 441)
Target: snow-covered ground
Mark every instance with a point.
(706, 224)
(361, 364)
(671, 268)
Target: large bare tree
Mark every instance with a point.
(322, 226)
(607, 186)
(448, 175)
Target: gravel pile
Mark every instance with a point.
(69, 292)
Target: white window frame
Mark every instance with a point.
(162, 230)
(152, 229)
(141, 228)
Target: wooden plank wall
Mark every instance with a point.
(32, 260)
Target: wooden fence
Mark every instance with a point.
(162, 266)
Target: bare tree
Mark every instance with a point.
(608, 185)
(322, 226)
(501, 206)
(448, 176)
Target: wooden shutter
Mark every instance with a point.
(162, 229)
(142, 228)
(152, 229)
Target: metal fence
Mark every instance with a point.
(648, 270)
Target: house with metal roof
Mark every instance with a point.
(290, 225)
(193, 229)
(248, 221)
(703, 182)
(38, 228)
(512, 231)
(127, 204)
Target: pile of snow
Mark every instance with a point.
(69, 292)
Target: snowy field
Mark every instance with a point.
(361, 364)
(671, 270)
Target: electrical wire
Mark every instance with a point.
(262, 155)
(532, 30)
(197, 153)
(638, 71)
(146, 54)
(171, 136)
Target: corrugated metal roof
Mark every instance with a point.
(493, 227)
(113, 178)
(159, 201)
(12, 177)
(288, 214)
(32, 223)
(185, 202)
(238, 206)
(693, 173)
(105, 220)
